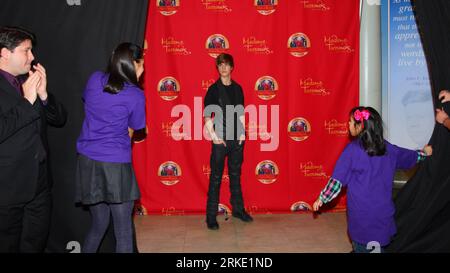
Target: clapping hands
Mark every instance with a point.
(36, 84)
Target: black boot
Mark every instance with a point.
(211, 223)
(243, 215)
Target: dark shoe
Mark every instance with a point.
(212, 224)
(244, 216)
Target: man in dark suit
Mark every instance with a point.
(25, 109)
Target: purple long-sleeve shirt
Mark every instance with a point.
(369, 180)
(104, 135)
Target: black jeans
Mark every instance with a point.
(235, 153)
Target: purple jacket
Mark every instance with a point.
(369, 180)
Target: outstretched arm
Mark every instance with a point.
(331, 190)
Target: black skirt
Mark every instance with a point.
(108, 182)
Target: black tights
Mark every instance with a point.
(122, 222)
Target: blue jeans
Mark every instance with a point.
(367, 248)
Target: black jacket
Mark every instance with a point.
(218, 95)
(23, 141)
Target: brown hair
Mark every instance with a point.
(224, 58)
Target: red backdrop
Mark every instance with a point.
(304, 53)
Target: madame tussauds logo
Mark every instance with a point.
(266, 7)
(316, 5)
(174, 46)
(309, 169)
(255, 46)
(313, 87)
(216, 44)
(167, 7)
(298, 44)
(168, 88)
(266, 172)
(266, 88)
(216, 5)
(172, 211)
(169, 173)
(301, 206)
(336, 44)
(334, 127)
(299, 129)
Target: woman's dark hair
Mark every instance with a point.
(121, 68)
(371, 135)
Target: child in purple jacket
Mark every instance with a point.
(367, 167)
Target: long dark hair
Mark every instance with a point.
(371, 135)
(121, 68)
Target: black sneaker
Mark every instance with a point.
(244, 216)
(212, 223)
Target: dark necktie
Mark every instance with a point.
(18, 86)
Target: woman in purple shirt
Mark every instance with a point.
(105, 180)
(367, 167)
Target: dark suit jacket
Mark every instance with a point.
(23, 142)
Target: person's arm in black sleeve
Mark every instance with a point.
(55, 112)
(16, 118)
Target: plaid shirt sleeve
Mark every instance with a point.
(330, 191)
(421, 155)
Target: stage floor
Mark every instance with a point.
(268, 233)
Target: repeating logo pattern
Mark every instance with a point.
(256, 46)
(266, 7)
(299, 129)
(337, 128)
(168, 88)
(318, 5)
(174, 46)
(216, 44)
(312, 170)
(167, 7)
(169, 173)
(313, 87)
(301, 206)
(298, 44)
(267, 172)
(285, 67)
(266, 87)
(335, 43)
(216, 5)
